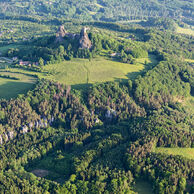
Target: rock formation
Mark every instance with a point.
(10, 134)
(84, 40)
(1, 140)
(24, 129)
(61, 32)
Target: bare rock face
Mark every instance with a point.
(24, 129)
(6, 137)
(10, 134)
(60, 34)
(1, 140)
(84, 40)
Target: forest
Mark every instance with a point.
(101, 10)
(113, 117)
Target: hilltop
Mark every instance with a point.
(102, 109)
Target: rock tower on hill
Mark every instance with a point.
(84, 40)
(61, 32)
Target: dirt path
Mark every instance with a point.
(40, 172)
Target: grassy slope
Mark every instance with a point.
(83, 71)
(185, 31)
(185, 152)
(189, 60)
(58, 166)
(78, 73)
(3, 49)
(189, 105)
(10, 88)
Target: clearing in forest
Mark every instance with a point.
(143, 187)
(100, 69)
(185, 152)
(40, 173)
(185, 31)
(77, 72)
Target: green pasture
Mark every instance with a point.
(4, 49)
(185, 31)
(185, 152)
(100, 69)
(10, 88)
(189, 60)
(57, 166)
(78, 72)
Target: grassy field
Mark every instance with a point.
(10, 88)
(78, 72)
(55, 166)
(143, 187)
(83, 71)
(189, 60)
(20, 30)
(185, 31)
(185, 152)
(3, 49)
(189, 105)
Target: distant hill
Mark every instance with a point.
(104, 10)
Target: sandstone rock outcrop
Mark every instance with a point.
(1, 140)
(61, 32)
(84, 40)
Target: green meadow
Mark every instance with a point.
(189, 60)
(100, 69)
(185, 152)
(10, 88)
(78, 72)
(185, 31)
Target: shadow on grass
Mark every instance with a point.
(11, 89)
(130, 76)
(83, 87)
(143, 187)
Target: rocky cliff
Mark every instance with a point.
(84, 40)
(61, 32)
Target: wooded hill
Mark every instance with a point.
(55, 139)
(105, 10)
